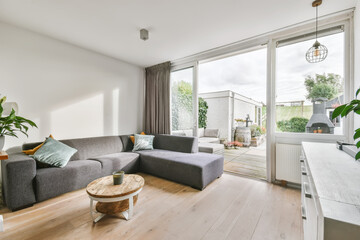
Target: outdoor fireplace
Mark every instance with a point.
(319, 120)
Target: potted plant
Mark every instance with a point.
(344, 110)
(227, 144)
(240, 122)
(237, 144)
(319, 130)
(11, 125)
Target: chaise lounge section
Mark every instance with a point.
(174, 158)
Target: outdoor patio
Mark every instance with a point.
(246, 161)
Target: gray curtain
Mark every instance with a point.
(157, 99)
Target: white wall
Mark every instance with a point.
(357, 56)
(68, 91)
(218, 115)
(242, 109)
(224, 108)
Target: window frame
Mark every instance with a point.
(306, 38)
(348, 125)
(194, 66)
(269, 39)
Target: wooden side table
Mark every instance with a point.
(114, 199)
(3, 156)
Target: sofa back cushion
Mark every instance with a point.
(214, 133)
(89, 147)
(128, 145)
(176, 143)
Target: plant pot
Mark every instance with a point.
(2, 142)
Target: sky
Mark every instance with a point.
(246, 73)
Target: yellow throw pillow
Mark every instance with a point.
(32, 151)
(132, 138)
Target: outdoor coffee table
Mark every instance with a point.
(114, 199)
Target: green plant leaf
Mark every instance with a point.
(356, 135)
(338, 111)
(24, 133)
(25, 127)
(358, 144)
(10, 134)
(355, 102)
(347, 110)
(2, 100)
(357, 156)
(12, 124)
(24, 120)
(357, 92)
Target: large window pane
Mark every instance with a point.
(182, 119)
(234, 89)
(307, 93)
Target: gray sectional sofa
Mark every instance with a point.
(205, 135)
(174, 158)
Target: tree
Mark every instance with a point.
(323, 86)
(181, 106)
(203, 108)
(323, 90)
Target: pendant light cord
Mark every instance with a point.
(316, 32)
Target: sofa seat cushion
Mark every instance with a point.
(209, 140)
(213, 148)
(124, 161)
(194, 169)
(51, 182)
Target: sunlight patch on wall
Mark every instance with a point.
(79, 120)
(115, 111)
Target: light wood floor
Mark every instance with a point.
(246, 161)
(231, 207)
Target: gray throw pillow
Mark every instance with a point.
(54, 153)
(143, 142)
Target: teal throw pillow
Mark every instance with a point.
(143, 142)
(54, 153)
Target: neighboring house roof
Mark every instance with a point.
(230, 94)
(333, 103)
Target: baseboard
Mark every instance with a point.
(287, 184)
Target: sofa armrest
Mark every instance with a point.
(215, 133)
(18, 173)
(176, 143)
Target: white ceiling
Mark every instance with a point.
(177, 28)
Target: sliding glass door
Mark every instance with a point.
(232, 109)
(182, 107)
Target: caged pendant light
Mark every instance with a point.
(317, 52)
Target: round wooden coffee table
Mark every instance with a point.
(114, 199)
